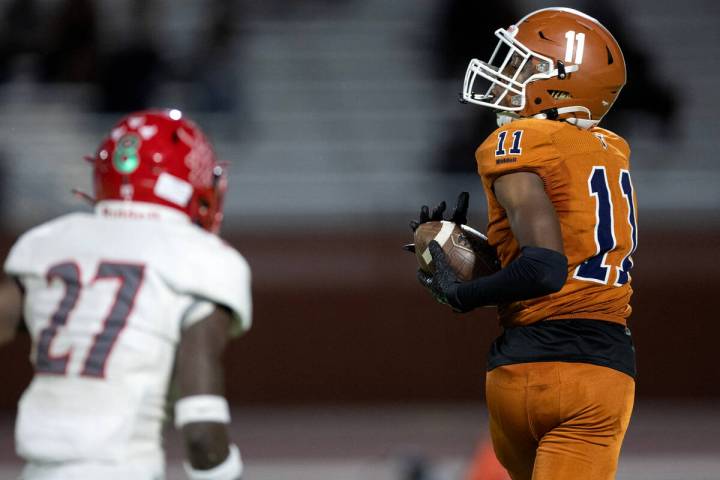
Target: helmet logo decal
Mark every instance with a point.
(136, 122)
(199, 160)
(126, 158)
(117, 133)
(148, 131)
(571, 38)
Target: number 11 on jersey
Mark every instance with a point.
(595, 269)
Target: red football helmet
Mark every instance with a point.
(158, 156)
(554, 63)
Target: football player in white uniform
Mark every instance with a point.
(115, 299)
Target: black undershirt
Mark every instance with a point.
(578, 340)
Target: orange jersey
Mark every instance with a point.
(587, 178)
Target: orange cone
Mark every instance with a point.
(485, 465)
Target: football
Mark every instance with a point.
(467, 250)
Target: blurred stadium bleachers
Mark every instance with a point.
(332, 134)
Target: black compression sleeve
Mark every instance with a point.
(535, 273)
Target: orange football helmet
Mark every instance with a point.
(555, 63)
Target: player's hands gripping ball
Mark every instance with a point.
(459, 215)
(461, 253)
(467, 250)
(443, 282)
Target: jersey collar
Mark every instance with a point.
(503, 117)
(139, 211)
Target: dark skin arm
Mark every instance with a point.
(531, 214)
(541, 270)
(11, 306)
(199, 371)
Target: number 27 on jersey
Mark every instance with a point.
(129, 277)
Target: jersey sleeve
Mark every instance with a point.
(25, 257)
(17, 262)
(517, 147)
(208, 269)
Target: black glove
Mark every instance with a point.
(444, 282)
(458, 216)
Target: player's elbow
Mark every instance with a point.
(7, 335)
(553, 275)
(549, 268)
(553, 281)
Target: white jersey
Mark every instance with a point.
(106, 298)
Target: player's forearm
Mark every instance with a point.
(7, 335)
(11, 302)
(535, 273)
(210, 455)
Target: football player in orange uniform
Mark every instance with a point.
(563, 220)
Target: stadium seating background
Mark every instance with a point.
(338, 120)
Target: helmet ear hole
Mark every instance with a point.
(538, 100)
(610, 58)
(203, 205)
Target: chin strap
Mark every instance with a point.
(84, 196)
(583, 123)
(561, 70)
(503, 118)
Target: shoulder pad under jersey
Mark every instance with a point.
(29, 253)
(204, 266)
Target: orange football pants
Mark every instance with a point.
(559, 420)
